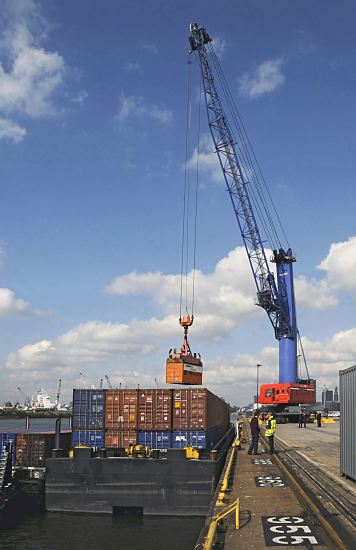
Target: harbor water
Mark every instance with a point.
(53, 531)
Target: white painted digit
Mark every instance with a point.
(278, 528)
(280, 540)
(295, 528)
(298, 540)
(285, 519)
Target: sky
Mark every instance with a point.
(93, 108)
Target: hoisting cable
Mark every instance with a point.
(196, 195)
(303, 354)
(252, 161)
(247, 167)
(244, 153)
(185, 197)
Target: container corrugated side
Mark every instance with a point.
(155, 439)
(91, 438)
(8, 438)
(33, 448)
(121, 409)
(120, 438)
(347, 384)
(154, 409)
(88, 409)
(200, 439)
(198, 408)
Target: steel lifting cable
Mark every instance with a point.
(248, 167)
(196, 194)
(246, 141)
(185, 196)
(186, 205)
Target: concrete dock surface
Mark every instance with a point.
(270, 512)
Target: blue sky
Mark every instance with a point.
(92, 144)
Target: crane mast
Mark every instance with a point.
(276, 299)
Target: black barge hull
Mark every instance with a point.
(119, 485)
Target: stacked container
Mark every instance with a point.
(88, 418)
(157, 418)
(8, 439)
(33, 448)
(120, 417)
(200, 418)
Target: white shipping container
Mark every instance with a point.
(348, 422)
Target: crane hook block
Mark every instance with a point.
(186, 320)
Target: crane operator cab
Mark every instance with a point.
(184, 367)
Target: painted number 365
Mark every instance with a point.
(288, 525)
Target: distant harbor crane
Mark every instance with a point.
(57, 405)
(27, 402)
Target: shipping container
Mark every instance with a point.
(8, 438)
(121, 409)
(200, 439)
(187, 370)
(88, 409)
(154, 409)
(120, 438)
(198, 409)
(155, 440)
(33, 448)
(348, 422)
(91, 438)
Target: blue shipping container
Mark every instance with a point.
(200, 439)
(154, 440)
(8, 438)
(88, 409)
(91, 438)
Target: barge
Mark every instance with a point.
(177, 476)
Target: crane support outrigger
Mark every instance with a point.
(276, 299)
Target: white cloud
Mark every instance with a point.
(11, 131)
(91, 346)
(314, 294)
(208, 159)
(235, 378)
(30, 76)
(92, 342)
(10, 305)
(223, 298)
(135, 107)
(219, 45)
(132, 67)
(340, 265)
(152, 48)
(80, 98)
(265, 79)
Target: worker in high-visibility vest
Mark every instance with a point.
(270, 431)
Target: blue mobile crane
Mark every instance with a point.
(238, 164)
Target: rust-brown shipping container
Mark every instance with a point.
(187, 370)
(154, 409)
(33, 448)
(121, 409)
(120, 438)
(198, 409)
